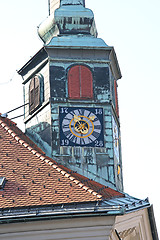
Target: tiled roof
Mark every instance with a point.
(105, 191)
(32, 179)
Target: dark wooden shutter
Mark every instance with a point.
(34, 94)
(31, 96)
(80, 83)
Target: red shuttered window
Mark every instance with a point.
(80, 83)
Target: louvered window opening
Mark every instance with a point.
(80, 83)
(34, 94)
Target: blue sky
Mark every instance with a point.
(132, 27)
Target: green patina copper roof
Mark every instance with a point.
(71, 18)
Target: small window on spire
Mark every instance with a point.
(80, 82)
(35, 93)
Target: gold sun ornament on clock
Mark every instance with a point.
(81, 125)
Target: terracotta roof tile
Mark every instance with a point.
(105, 191)
(33, 179)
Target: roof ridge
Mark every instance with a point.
(48, 160)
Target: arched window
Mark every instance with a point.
(35, 94)
(80, 82)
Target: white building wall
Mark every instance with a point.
(88, 228)
(131, 226)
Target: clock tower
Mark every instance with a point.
(70, 92)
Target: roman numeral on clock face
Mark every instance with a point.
(82, 141)
(73, 138)
(97, 127)
(65, 126)
(96, 119)
(95, 134)
(89, 114)
(68, 133)
(81, 111)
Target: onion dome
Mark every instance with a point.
(71, 18)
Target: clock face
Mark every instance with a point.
(81, 126)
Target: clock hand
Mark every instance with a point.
(77, 119)
(90, 119)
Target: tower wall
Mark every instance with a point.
(98, 163)
(71, 91)
(43, 126)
